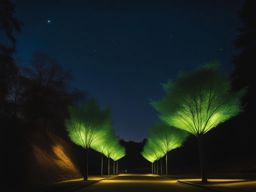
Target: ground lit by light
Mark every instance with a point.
(138, 181)
(130, 174)
(90, 178)
(214, 180)
(134, 180)
(62, 159)
(156, 179)
(223, 184)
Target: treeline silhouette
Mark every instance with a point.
(33, 107)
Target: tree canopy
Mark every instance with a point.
(199, 100)
(151, 151)
(167, 138)
(87, 124)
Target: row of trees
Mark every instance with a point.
(91, 128)
(162, 139)
(196, 102)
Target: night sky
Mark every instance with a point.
(121, 52)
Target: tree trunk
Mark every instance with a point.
(108, 166)
(102, 166)
(114, 168)
(152, 168)
(161, 166)
(86, 165)
(157, 167)
(117, 171)
(201, 157)
(166, 163)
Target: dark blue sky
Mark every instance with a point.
(121, 51)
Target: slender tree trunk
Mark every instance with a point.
(108, 166)
(201, 157)
(114, 167)
(166, 163)
(152, 168)
(117, 171)
(157, 167)
(86, 165)
(102, 165)
(161, 166)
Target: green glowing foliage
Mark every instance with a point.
(110, 147)
(148, 155)
(105, 146)
(152, 151)
(167, 138)
(118, 153)
(199, 100)
(103, 143)
(87, 124)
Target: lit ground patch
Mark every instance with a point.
(214, 181)
(90, 178)
(224, 184)
(139, 178)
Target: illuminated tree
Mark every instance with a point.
(108, 147)
(110, 150)
(149, 156)
(103, 144)
(167, 138)
(117, 154)
(152, 153)
(197, 102)
(86, 127)
(101, 147)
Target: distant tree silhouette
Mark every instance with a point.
(244, 74)
(47, 94)
(43, 106)
(85, 127)
(9, 25)
(197, 102)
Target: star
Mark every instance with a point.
(49, 21)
